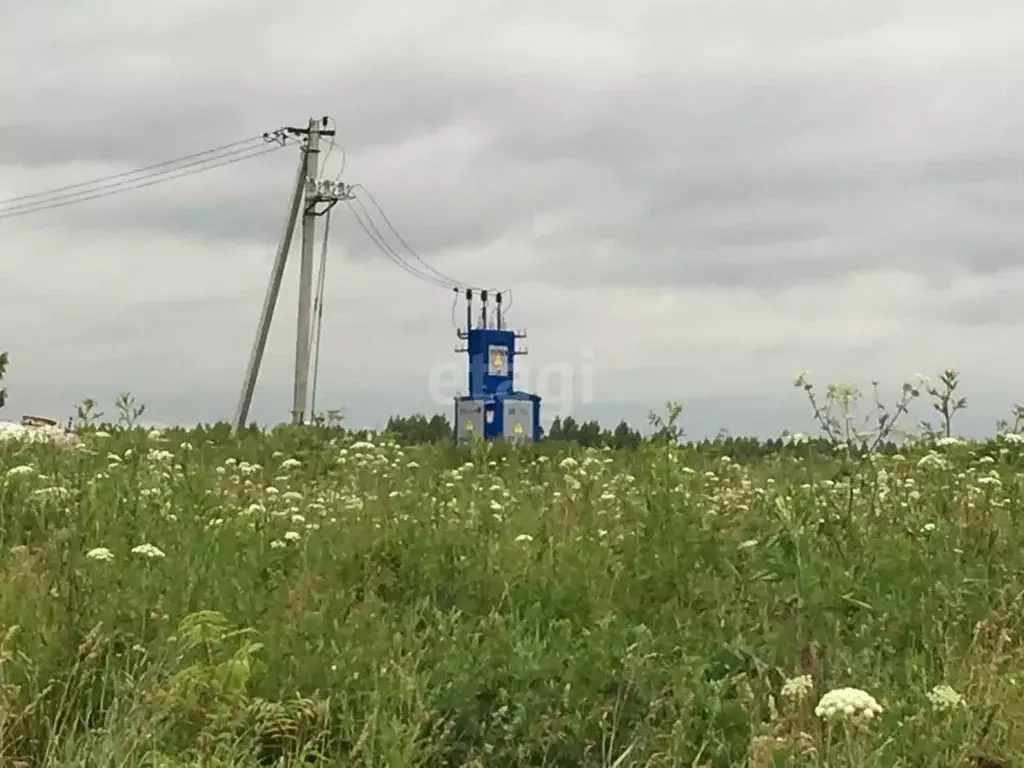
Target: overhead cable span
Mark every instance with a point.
(421, 269)
(146, 176)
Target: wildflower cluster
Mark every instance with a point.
(271, 593)
(850, 704)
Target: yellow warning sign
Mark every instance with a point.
(518, 429)
(498, 361)
(469, 425)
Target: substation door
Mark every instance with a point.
(469, 420)
(518, 421)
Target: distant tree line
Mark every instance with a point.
(419, 429)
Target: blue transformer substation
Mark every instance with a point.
(493, 409)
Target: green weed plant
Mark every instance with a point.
(306, 597)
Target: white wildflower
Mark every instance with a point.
(292, 536)
(100, 553)
(290, 464)
(848, 704)
(944, 698)
(797, 688)
(148, 550)
(51, 492)
(21, 471)
(933, 460)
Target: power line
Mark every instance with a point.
(374, 234)
(387, 221)
(60, 201)
(331, 144)
(123, 174)
(127, 183)
(431, 275)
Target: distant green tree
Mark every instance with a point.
(418, 429)
(570, 429)
(590, 435)
(625, 437)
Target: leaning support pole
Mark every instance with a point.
(270, 302)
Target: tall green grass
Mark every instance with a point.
(313, 600)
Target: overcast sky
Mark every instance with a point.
(691, 200)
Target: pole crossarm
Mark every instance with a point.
(326, 193)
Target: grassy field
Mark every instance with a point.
(296, 597)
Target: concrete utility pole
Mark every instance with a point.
(305, 188)
(300, 392)
(259, 345)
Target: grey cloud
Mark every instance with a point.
(717, 145)
(649, 162)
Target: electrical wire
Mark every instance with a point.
(126, 183)
(455, 305)
(164, 164)
(437, 277)
(332, 143)
(329, 140)
(452, 283)
(378, 239)
(344, 160)
(374, 234)
(60, 201)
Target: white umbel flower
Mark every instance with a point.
(148, 550)
(944, 698)
(797, 688)
(848, 704)
(100, 553)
